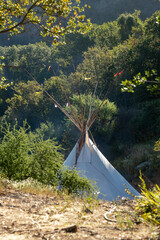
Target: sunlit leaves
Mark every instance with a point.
(148, 205)
(150, 78)
(3, 83)
(158, 19)
(51, 18)
(157, 146)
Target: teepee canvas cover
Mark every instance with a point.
(92, 164)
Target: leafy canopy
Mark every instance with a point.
(151, 76)
(52, 18)
(86, 106)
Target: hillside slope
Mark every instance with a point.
(108, 10)
(41, 216)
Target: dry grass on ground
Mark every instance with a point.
(25, 215)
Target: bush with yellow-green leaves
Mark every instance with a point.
(148, 205)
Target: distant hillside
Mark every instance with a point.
(108, 10)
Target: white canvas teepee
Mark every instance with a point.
(86, 157)
(92, 164)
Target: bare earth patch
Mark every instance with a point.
(34, 217)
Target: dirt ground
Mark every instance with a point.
(34, 217)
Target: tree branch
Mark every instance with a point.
(9, 66)
(23, 19)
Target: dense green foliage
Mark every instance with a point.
(70, 180)
(127, 48)
(24, 154)
(105, 119)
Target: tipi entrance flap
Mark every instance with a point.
(85, 154)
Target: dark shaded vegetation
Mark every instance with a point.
(103, 11)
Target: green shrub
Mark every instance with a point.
(46, 161)
(148, 206)
(24, 154)
(15, 150)
(70, 180)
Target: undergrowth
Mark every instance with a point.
(148, 205)
(27, 155)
